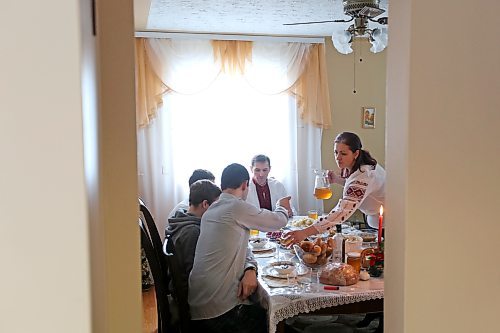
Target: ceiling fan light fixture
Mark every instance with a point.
(342, 41)
(378, 39)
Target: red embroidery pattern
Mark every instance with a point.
(359, 182)
(356, 192)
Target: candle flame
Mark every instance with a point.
(381, 210)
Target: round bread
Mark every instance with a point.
(306, 246)
(322, 259)
(309, 258)
(331, 242)
(323, 248)
(339, 275)
(316, 250)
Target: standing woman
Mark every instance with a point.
(364, 187)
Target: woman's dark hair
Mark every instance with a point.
(354, 143)
(201, 190)
(233, 176)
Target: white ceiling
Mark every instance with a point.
(252, 17)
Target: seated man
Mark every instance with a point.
(197, 175)
(184, 228)
(264, 190)
(224, 272)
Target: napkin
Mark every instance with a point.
(264, 254)
(273, 282)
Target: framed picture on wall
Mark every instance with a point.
(368, 117)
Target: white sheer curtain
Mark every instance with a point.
(252, 116)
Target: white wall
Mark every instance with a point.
(69, 244)
(44, 241)
(442, 158)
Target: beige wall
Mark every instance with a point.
(442, 158)
(56, 275)
(115, 256)
(370, 76)
(44, 241)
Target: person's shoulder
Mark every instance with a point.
(275, 182)
(379, 169)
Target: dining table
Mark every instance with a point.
(301, 293)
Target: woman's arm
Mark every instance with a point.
(353, 195)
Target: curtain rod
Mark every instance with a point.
(161, 34)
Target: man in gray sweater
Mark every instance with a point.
(224, 272)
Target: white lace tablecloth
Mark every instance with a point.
(283, 303)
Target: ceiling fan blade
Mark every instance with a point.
(314, 22)
(371, 12)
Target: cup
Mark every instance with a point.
(312, 214)
(316, 273)
(254, 232)
(354, 259)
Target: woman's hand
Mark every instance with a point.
(295, 236)
(332, 177)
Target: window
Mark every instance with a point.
(229, 122)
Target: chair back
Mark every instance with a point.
(161, 281)
(179, 284)
(153, 234)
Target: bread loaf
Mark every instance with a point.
(339, 274)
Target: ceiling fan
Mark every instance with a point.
(361, 12)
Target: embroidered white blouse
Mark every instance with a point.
(363, 190)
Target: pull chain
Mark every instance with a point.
(354, 66)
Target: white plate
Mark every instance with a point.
(266, 247)
(271, 271)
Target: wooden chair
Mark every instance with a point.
(153, 234)
(161, 282)
(179, 284)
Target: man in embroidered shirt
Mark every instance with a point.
(264, 191)
(224, 272)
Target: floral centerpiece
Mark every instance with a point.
(376, 260)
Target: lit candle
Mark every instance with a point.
(380, 224)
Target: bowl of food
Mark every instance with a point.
(258, 242)
(302, 222)
(283, 267)
(314, 254)
(368, 236)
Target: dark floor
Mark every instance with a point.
(330, 324)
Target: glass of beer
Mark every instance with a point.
(312, 214)
(354, 259)
(322, 190)
(254, 232)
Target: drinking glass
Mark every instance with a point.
(306, 280)
(312, 214)
(315, 274)
(278, 254)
